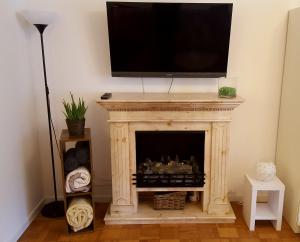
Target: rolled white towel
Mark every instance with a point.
(78, 180)
(79, 214)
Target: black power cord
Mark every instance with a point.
(55, 137)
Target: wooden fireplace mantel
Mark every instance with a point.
(132, 112)
(169, 102)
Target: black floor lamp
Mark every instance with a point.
(41, 19)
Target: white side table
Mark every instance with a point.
(272, 210)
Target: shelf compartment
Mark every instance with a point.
(264, 212)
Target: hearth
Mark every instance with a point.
(169, 159)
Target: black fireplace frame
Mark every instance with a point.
(169, 180)
(194, 179)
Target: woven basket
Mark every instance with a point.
(174, 200)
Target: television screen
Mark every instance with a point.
(169, 39)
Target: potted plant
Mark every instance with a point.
(74, 113)
(227, 87)
(227, 92)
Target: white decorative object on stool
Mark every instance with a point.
(271, 210)
(265, 171)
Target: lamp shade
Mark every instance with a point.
(39, 17)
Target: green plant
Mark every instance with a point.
(227, 92)
(74, 111)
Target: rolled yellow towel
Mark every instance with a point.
(79, 213)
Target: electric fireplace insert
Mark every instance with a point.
(169, 159)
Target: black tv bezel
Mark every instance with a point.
(167, 74)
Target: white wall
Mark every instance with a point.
(78, 60)
(294, 4)
(288, 152)
(20, 171)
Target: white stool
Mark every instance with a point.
(272, 210)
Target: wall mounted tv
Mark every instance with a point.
(169, 39)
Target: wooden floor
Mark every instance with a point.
(43, 229)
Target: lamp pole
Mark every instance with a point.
(41, 19)
(41, 28)
(55, 208)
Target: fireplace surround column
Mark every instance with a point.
(121, 183)
(219, 203)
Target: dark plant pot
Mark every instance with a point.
(75, 127)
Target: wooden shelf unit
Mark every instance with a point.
(65, 138)
(271, 210)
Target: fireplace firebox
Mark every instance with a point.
(169, 158)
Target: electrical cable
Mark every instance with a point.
(55, 137)
(171, 85)
(143, 84)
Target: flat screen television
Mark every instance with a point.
(149, 39)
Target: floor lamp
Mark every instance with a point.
(41, 19)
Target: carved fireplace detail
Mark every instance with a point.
(131, 114)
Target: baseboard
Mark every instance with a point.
(105, 197)
(233, 197)
(49, 199)
(102, 192)
(99, 198)
(261, 197)
(102, 198)
(32, 215)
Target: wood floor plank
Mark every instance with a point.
(228, 233)
(50, 230)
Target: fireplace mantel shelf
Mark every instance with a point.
(169, 102)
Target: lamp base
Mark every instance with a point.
(53, 209)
